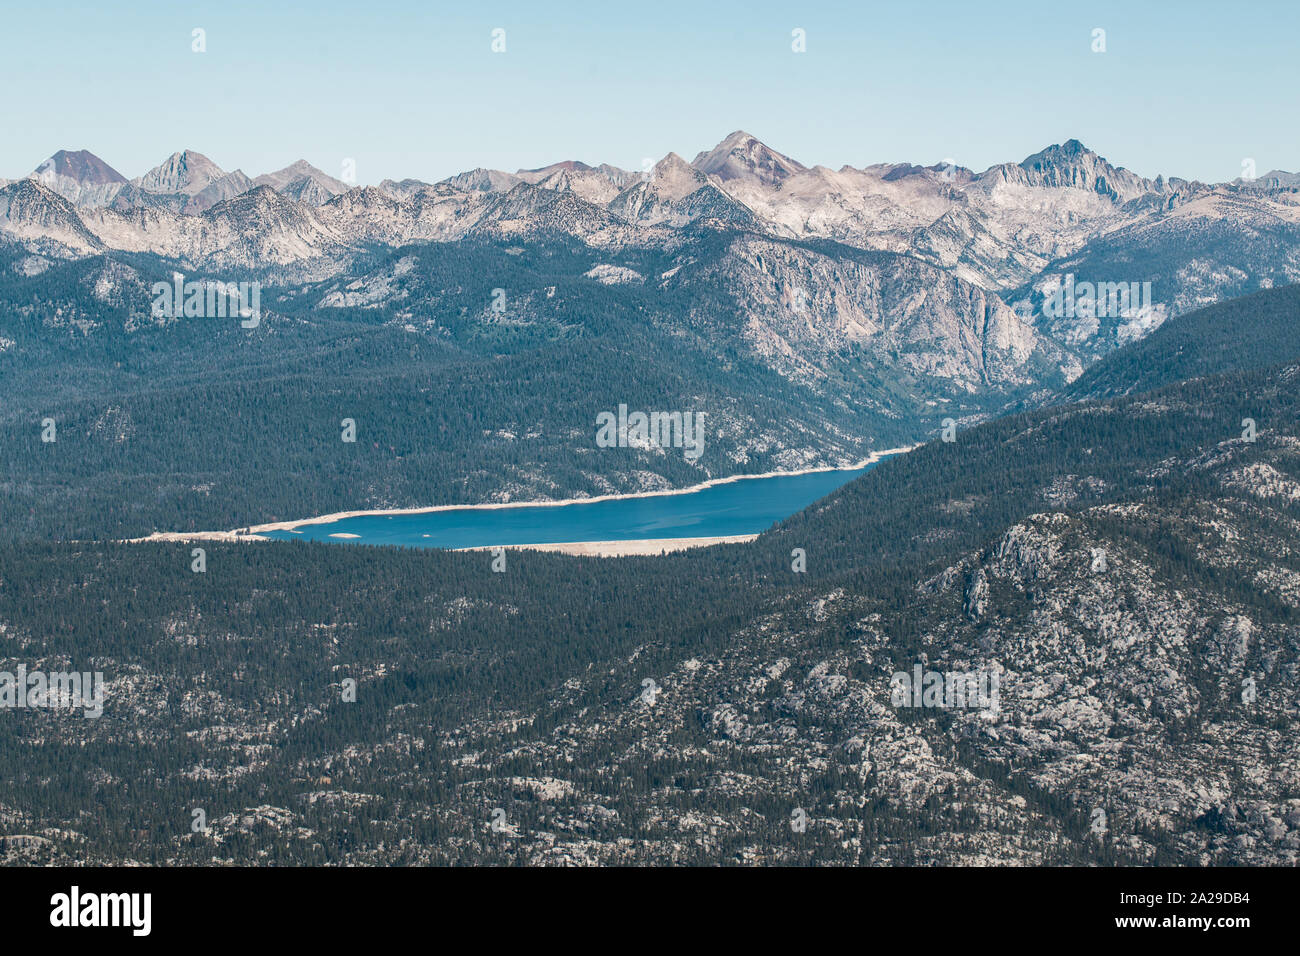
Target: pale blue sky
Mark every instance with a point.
(412, 88)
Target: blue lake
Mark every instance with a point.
(744, 506)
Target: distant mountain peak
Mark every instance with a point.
(31, 210)
(1273, 179)
(743, 156)
(736, 140)
(672, 162)
(945, 171)
(302, 181)
(300, 167)
(187, 171)
(478, 179)
(568, 165)
(1071, 151)
(296, 170)
(1071, 164)
(82, 165)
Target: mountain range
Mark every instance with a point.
(187, 183)
(816, 315)
(1015, 229)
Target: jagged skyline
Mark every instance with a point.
(85, 165)
(411, 91)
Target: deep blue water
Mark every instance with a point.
(747, 506)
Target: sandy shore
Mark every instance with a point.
(619, 549)
(601, 548)
(196, 536)
(598, 549)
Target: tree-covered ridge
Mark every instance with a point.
(526, 691)
(1126, 564)
(1254, 331)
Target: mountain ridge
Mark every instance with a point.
(1019, 230)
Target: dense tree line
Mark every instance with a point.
(199, 424)
(437, 641)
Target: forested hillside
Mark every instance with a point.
(1126, 566)
(1254, 331)
(193, 424)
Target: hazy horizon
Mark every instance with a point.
(413, 91)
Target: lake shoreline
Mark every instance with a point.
(622, 549)
(872, 459)
(258, 532)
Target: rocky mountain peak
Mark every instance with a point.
(478, 179)
(30, 210)
(742, 156)
(1071, 164)
(302, 181)
(673, 165)
(185, 172)
(257, 208)
(533, 176)
(80, 165)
